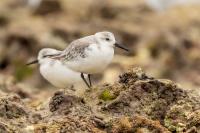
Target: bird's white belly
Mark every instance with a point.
(96, 61)
(59, 75)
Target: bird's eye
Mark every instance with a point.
(107, 39)
(44, 56)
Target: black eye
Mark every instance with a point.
(44, 56)
(107, 39)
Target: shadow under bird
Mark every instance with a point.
(88, 55)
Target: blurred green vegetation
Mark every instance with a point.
(22, 71)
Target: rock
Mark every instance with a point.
(4, 128)
(13, 114)
(46, 7)
(66, 104)
(11, 107)
(138, 124)
(193, 122)
(154, 98)
(135, 103)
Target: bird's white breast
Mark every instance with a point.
(57, 74)
(101, 55)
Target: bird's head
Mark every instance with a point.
(44, 55)
(108, 38)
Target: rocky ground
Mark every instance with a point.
(165, 44)
(135, 103)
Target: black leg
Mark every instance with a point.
(82, 76)
(89, 77)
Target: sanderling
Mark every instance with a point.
(54, 71)
(90, 54)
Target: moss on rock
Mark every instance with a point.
(106, 95)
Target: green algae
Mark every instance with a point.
(106, 95)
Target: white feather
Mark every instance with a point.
(56, 73)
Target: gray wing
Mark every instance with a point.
(77, 48)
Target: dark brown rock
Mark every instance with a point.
(11, 107)
(62, 103)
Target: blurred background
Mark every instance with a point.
(162, 35)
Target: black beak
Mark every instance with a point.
(32, 62)
(120, 46)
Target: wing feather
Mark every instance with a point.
(77, 48)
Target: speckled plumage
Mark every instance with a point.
(76, 49)
(90, 54)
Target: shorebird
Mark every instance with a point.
(89, 55)
(54, 71)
